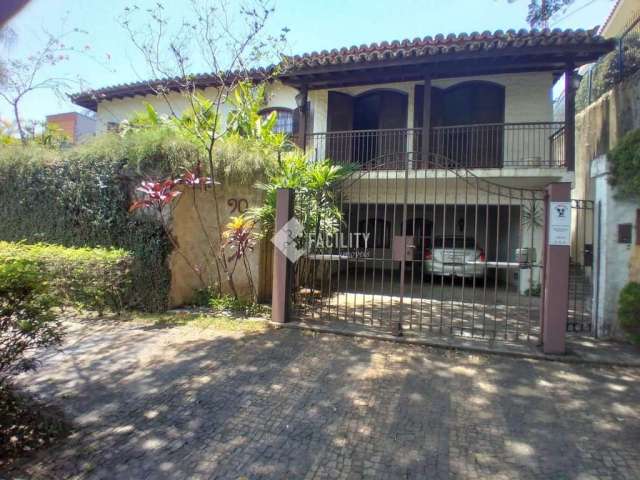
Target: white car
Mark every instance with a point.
(454, 256)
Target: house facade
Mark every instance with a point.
(453, 141)
(76, 126)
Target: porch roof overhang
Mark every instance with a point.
(89, 99)
(445, 57)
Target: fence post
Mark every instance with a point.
(555, 295)
(620, 57)
(282, 266)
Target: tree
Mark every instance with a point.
(540, 11)
(229, 40)
(20, 77)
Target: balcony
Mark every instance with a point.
(495, 145)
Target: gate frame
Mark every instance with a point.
(555, 279)
(555, 274)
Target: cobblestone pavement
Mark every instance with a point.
(177, 403)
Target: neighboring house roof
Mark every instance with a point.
(511, 50)
(622, 14)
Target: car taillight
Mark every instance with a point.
(427, 254)
(482, 257)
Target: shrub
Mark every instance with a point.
(534, 291)
(27, 424)
(231, 304)
(606, 72)
(625, 165)
(629, 308)
(94, 278)
(26, 319)
(81, 196)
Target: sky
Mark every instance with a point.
(314, 25)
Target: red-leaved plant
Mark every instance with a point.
(195, 179)
(156, 195)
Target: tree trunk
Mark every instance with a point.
(16, 114)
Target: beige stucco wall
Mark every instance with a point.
(117, 110)
(527, 96)
(527, 99)
(187, 229)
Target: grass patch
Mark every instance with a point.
(198, 320)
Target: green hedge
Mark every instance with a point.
(624, 160)
(94, 278)
(80, 197)
(629, 309)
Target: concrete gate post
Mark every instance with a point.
(282, 266)
(555, 294)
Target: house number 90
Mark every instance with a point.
(239, 205)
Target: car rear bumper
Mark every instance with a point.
(466, 270)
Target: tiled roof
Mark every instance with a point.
(584, 42)
(89, 98)
(449, 44)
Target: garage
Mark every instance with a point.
(434, 252)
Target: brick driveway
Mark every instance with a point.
(179, 402)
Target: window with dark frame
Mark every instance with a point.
(284, 120)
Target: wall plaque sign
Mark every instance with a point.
(560, 223)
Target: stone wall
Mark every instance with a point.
(598, 129)
(187, 226)
(601, 125)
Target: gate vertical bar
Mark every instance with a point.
(396, 326)
(282, 267)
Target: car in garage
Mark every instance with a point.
(454, 255)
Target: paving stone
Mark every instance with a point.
(175, 403)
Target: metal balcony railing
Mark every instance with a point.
(495, 145)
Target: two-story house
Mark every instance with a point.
(454, 140)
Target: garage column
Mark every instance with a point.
(555, 294)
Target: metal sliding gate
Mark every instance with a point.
(581, 278)
(408, 245)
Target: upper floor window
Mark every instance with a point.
(470, 103)
(284, 120)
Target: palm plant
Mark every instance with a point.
(314, 184)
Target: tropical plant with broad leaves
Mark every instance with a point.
(314, 184)
(239, 240)
(532, 213)
(231, 39)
